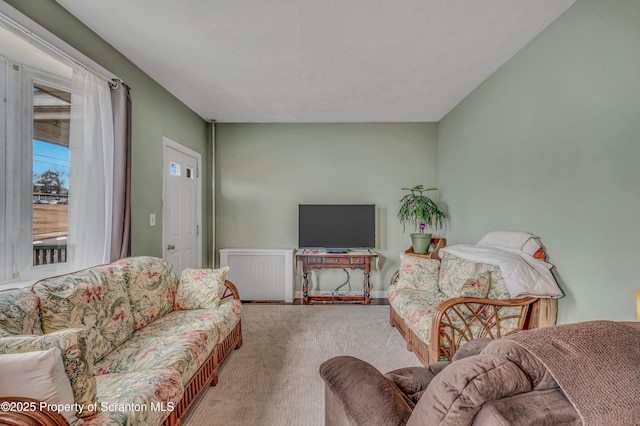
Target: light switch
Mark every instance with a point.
(152, 219)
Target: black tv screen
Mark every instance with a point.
(337, 225)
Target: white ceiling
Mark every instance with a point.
(318, 60)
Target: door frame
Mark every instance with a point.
(168, 143)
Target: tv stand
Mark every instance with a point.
(321, 259)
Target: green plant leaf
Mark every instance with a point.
(417, 208)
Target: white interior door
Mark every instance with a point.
(181, 210)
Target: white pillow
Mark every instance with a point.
(39, 375)
(524, 241)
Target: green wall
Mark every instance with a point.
(263, 171)
(551, 144)
(156, 113)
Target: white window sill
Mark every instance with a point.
(7, 285)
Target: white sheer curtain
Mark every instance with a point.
(91, 173)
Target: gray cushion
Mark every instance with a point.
(456, 395)
(368, 398)
(548, 407)
(472, 347)
(413, 381)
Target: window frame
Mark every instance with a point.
(31, 76)
(16, 184)
(13, 201)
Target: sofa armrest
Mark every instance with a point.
(461, 319)
(356, 393)
(230, 290)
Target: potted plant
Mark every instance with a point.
(418, 209)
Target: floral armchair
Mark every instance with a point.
(439, 304)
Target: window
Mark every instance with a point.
(35, 149)
(175, 169)
(46, 181)
(50, 171)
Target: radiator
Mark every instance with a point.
(260, 274)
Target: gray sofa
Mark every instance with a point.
(584, 373)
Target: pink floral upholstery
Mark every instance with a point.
(184, 349)
(404, 300)
(227, 316)
(200, 288)
(418, 273)
(121, 340)
(477, 286)
(137, 398)
(76, 358)
(19, 312)
(95, 299)
(417, 300)
(455, 271)
(151, 286)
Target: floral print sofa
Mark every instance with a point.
(439, 304)
(138, 344)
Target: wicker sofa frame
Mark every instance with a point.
(206, 375)
(208, 372)
(458, 320)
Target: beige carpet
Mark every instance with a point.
(273, 378)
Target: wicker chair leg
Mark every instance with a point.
(239, 344)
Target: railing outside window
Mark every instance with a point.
(48, 254)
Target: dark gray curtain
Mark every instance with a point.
(121, 222)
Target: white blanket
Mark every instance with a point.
(524, 275)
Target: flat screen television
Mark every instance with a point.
(337, 226)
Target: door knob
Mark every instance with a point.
(170, 247)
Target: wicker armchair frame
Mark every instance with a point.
(461, 319)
